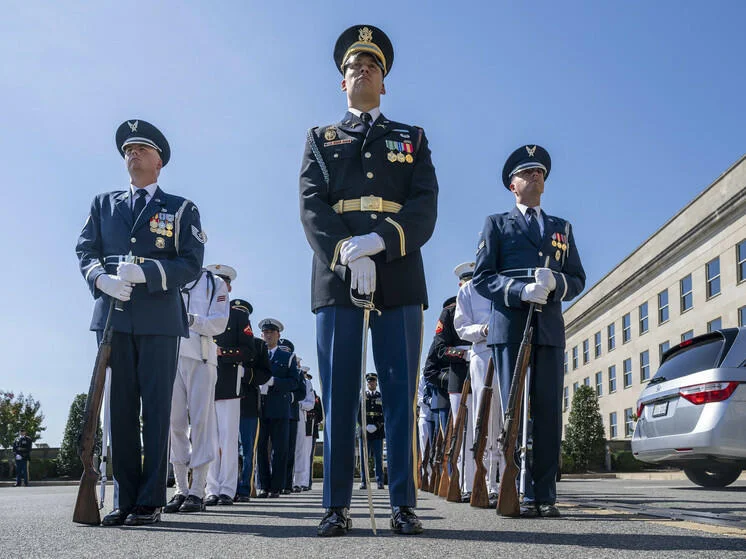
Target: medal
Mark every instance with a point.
(169, 226)
(409, 158)
(557, 255)
(391, 156)
(400, 157)
(160, 243)
(330, 133)
(169, 233)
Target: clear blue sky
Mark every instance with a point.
(641, 105)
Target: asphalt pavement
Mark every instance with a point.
(600, 518)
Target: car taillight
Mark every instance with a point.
(640, 407)
(709, 392)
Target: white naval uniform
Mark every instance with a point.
(472, 314)
(425, 417)
(302, 465)
(193, 396)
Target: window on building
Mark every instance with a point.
(574, 358)
(715, 324)
(565, 362)
(565, 398)
(587, 381)
(612, 379)
(645, 366)
(688, 335)
(626, 328)
(586, 352)
(687, 300)
(663, 348)
(663, 306)
(610, 331)
(629, 422)
(597, 345)
(741, 261)
(599, 383)
(643, 310)
(575, 387)
(612, 425)
(627, 370)
(742, 316)
(712, 273)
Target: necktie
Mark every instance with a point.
(366, 118)
(139, 203)
(533, 226)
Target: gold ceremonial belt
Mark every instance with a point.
(367, 204)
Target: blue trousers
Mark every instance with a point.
(292, 437)
(247, 429)
(396, 343)
(545, 397)
(272, 470)
(21, 472)
(375, 449)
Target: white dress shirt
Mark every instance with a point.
(539, 216)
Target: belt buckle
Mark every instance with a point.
(371, 204)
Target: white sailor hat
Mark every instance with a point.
(271, 324)
(464, 270)
(223, 271)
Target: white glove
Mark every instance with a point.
(131, 272)
(362, 245)
(371, 428)
(363, 275)
(535, 293)
(545, 277)
(271, 381)
(114, 286)
(19, 457)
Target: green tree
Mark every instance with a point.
(68, 461)
(584, 435)
(16, 413)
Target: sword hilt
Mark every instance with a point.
(363, 301)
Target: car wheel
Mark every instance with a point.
(718, 475)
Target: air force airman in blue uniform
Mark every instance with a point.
(140, 246)
(368, 203)
(527, 256)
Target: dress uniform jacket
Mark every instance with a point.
(22, 447)
(341, 163)
(446, 365)
(506, 257)
(374, 413)
(276, 403)
(168, 261)
(237, 345)
(314, 416)
(258, 370)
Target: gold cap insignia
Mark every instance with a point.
(530, 151)
(365, 35)
(133, 126)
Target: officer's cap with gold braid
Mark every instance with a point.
(138, 131)
(364, 38)
(526, 157)
(242, 304)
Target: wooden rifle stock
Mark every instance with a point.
(507, 499)
(86, 506)
(424, 480)
(454, 486)
(479, 494)
(435, 476)
(445, 477)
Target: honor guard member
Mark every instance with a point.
(526, 256)
(22, 451)
(140, 246)
(425, 422)
(193, 401)
(296, 396)
(316, 417)
(235, 347)
(451, 354)
(275, 409)
(374, 427)
(368, 203)
(301, 465)
(472, 324)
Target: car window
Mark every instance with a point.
(694, 358)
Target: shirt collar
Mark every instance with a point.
(150, 189)
(374, 113)
(523, 209)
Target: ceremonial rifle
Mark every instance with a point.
(445, 477)
(479, 495)
(87, 506)
(424, 481)
(454, 486)
(437, 462)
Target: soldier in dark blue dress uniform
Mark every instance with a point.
(525, 256)
(375, 429)
(368, 203)
(140, 246)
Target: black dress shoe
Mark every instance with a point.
(296, 489)
(192, 504)
(405, 521)
(115, 517)
(175, 503)
(548, 511)
(242, 499)
(466, 496)
(363, 486)
(262, 494)
(380, 485)
(306, 488)
(528, 511)
(142, 515)
(211, 500)
(274, 495)
(286, 491)
(224, 499)
(336, 522)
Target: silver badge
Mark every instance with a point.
(530, 151)
(133, 127)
